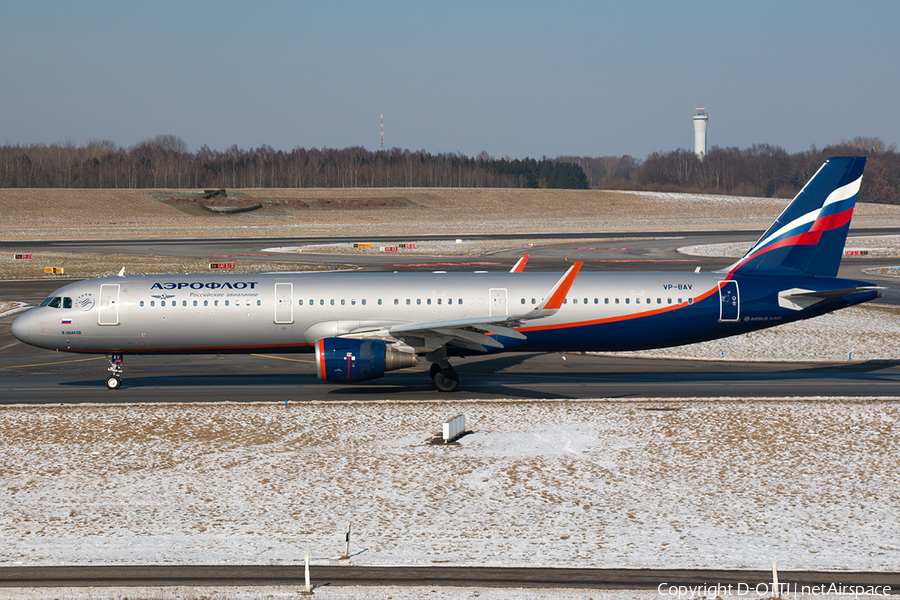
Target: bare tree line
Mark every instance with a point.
(760, 170)
(166, 162)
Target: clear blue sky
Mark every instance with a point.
(514, 79)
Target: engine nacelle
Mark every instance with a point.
(347, 359)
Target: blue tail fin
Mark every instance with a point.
(808, 238)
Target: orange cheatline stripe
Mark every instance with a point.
(636, 315)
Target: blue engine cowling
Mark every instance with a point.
(342, 360)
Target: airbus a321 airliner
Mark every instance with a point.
(361, 325)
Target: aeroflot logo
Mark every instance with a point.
(212, 285)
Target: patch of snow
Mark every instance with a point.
(642, 483)
(12, 307)
(326, 592)
(876, 246)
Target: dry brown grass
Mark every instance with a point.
(72, 214)
(83, 266)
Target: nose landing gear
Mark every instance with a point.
(114, 381)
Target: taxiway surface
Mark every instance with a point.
(37, 376)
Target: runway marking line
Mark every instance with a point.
(61, 362)
(283, 358)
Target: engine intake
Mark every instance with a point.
(342, 360)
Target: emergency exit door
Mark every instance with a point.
(499, 305)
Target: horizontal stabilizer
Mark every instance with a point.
(799, 299)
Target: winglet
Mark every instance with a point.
(520, 265)
(562, 287)
(554, 299)
(121, 272)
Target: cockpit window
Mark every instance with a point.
(52, 302)
(57, 302)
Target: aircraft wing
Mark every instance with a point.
(478, 332)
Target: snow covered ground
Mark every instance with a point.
(323, 593)
(885, 245)
(461, 247)
(377, 593)
(640, 483)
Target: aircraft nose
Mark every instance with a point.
(20, 328)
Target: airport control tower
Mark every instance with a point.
(700, 121)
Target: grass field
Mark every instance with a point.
(81, 214)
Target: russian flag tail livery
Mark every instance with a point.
(809, 236)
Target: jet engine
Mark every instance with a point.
(349, 360)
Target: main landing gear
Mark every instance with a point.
(114, 381)
(444, 376)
